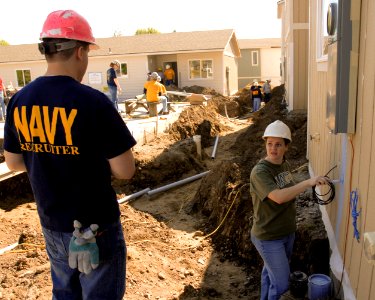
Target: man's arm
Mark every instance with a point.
(14, 161)
(123, 166)
(117, 84)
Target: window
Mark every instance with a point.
(200, 69)
(322, 35)
(254, 58)
(123, 70)
(23, 77)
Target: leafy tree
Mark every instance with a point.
(4, 43)
(146, 31)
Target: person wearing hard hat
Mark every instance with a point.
(154, 92)
(267, 91)
(273, 192)
(50, 132)
(256, 95)
(161, 75)
(169, 75)
(113, 83)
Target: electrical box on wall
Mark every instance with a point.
(343, 45)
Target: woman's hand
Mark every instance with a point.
(318, 180)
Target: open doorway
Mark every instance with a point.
(173, 65)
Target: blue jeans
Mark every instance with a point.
(2, 105)
(105, 282)
(113, 93)
(256, 104)
(276, 271)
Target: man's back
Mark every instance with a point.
(56, 119)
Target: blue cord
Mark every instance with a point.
(355, 213)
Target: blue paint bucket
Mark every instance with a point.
(319, 287)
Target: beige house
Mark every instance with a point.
(340, 76)
(204, 58)
(294, 51)
(260, 60)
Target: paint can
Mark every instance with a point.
(319, 287)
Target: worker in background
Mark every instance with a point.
(273, 192)
(113, 83)
(267, 91)
(256, 95)
(153, 90)
(2, 100)
(169, 76)
(80, 217)
(161, 75)
(163, 88)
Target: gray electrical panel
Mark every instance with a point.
(343, 31)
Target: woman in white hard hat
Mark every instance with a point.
(273, 193)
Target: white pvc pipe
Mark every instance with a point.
(215, 147)
(8, 248)
(171, 185)
(197, 140)
(133, 196)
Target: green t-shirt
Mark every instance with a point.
(271, 220)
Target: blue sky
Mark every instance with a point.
(249, 18)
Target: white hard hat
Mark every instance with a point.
(154, 75)
(159, 78)
(167, 66)
(116, 62)
(277, 129)
(256, 83)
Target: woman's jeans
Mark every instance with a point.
(107, 281)
(113, 93)
(276, 271)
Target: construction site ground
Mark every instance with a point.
(191, 241)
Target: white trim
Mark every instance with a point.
(252, 58)
(320, 20)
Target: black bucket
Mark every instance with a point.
(298, 284)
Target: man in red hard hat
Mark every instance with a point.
(50, 132)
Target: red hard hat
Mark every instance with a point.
(67, 24)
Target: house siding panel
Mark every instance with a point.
(214, 83)
(300, 83)
(330, 150)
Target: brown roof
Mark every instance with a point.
(215, 40)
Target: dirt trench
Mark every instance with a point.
(220, 202)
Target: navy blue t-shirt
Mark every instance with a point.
(111, 75)
(66, 132)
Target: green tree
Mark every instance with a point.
(4, 43)
(146, 31)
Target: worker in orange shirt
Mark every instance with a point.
(169, 75)
(153, 90)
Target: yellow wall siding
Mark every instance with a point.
(232, 86)
(364, 153)
(300, 81)
(300, 11)
(336, 149)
